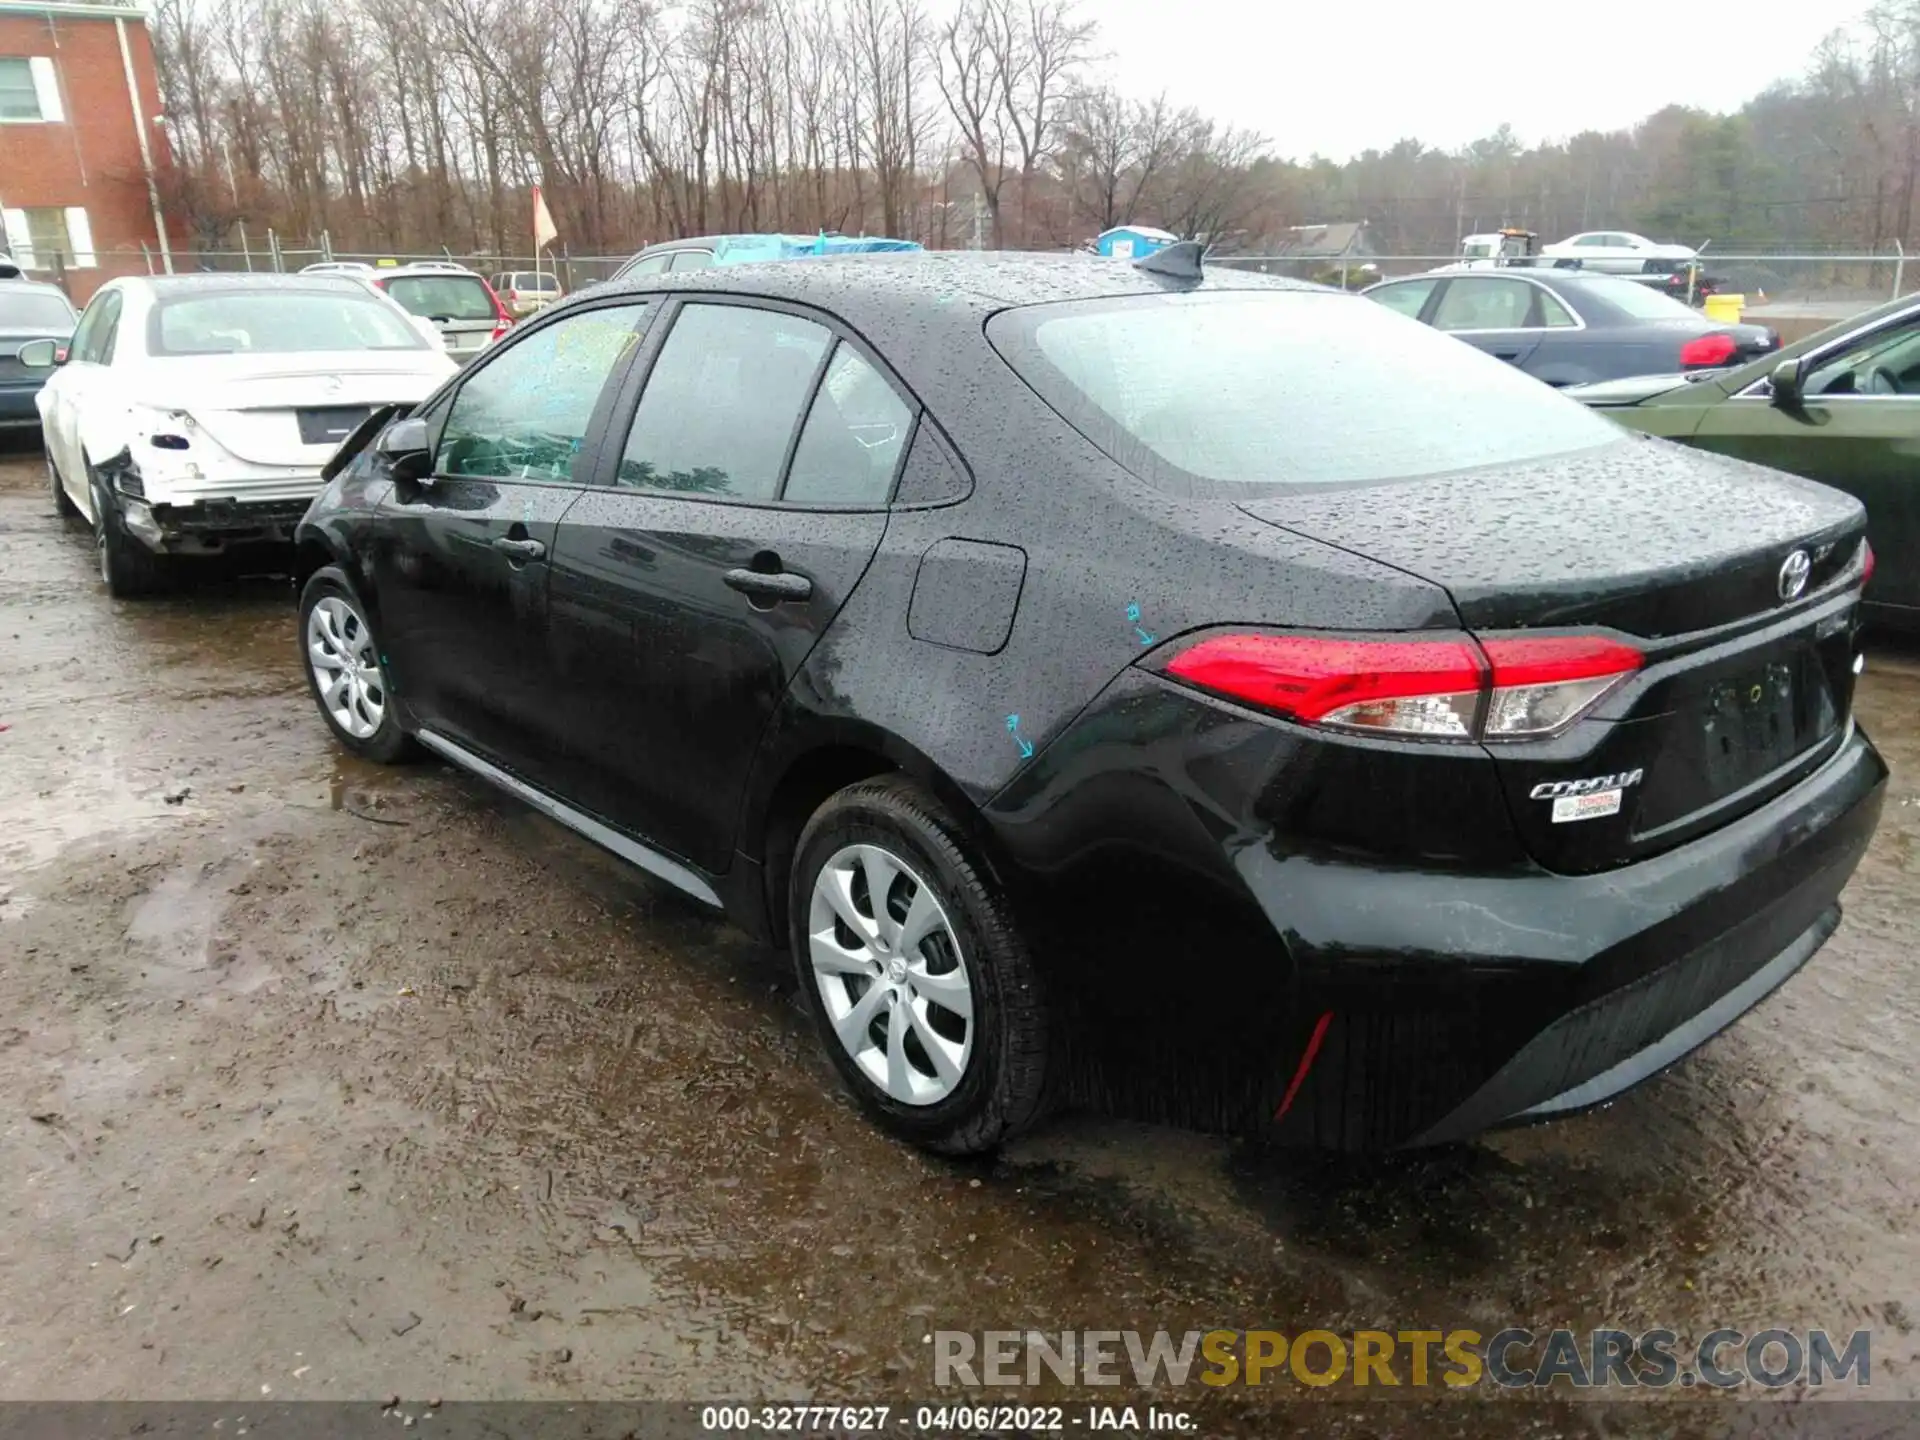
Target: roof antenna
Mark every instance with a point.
(1178, 261)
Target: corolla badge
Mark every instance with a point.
(1794, 571)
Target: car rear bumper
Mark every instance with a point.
(1320, 996)
(212, 525)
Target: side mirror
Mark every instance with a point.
(1787, 383)
(42, 354)
(403, 445)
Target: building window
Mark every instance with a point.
(29, 90)
(36, 237)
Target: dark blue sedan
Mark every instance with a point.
(28, 311)
(1568, 328)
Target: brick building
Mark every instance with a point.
(79, 142)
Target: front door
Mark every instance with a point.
(723, 535)
(1858, 430)
(71, 388)
(461, 571)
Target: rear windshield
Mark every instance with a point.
(530, 281)
(1244, 389)
(1642, 302)
(278, 322)
(443, 297)
(35, 310)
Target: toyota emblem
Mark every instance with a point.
(1794, 571)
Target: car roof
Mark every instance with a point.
(17, 285)
(203, 282)
(913, 286)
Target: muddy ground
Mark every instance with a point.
(322, 1080)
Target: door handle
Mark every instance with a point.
(520, 550)
(769, 586)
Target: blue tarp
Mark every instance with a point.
(743, 249)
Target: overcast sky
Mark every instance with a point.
(1339, 78)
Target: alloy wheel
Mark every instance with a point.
(890, 974)
(346, 667)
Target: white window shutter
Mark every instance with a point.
(19, 238)
(80, 237)
(46, 85)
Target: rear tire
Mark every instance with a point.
(925, 996)
(127, 568)
(346, 671)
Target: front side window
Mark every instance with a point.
(853, 437)
(1886, 362)
(1243, 391)
(277, 322)
(1484, 305)
(722, 402)
(443, 297)
(1407, 299)
(523, 414)
(96, 327)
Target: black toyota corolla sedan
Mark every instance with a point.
(1218, 698)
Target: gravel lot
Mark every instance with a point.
(329, 1081)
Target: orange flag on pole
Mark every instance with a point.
(543, 231)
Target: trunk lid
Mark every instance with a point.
(266, 411)
(1680, 553)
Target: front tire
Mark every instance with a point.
(346, 671)
(919, 980)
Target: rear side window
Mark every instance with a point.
(853, 438)
(692, 260)
(722, 402)
(1236, 390)
(443, 297)
(1484, 305)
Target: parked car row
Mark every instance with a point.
(1002, 635)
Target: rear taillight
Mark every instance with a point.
(1866, 561)
(1708, 350)
(1448, 687)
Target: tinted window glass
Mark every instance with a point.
(1894, 350)
(91, 337)
(1642, 302)
(443, 297)
(651, 265)
(1280, 389)
(722, 401)
(855, 431)
(278, 322)
(524, 412)
(1484, 305)
(35, 310)
(929, 476)
(1553, 314)
(1407, 298)
(692, 259)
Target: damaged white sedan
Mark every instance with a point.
(190, 415)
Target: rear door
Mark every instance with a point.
(1859, 431)
(461, 564)
(740, 498)
(1493, 313)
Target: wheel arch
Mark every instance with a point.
(794, 777)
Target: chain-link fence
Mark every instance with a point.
(1795, 293)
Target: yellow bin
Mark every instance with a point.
(1725, 309)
